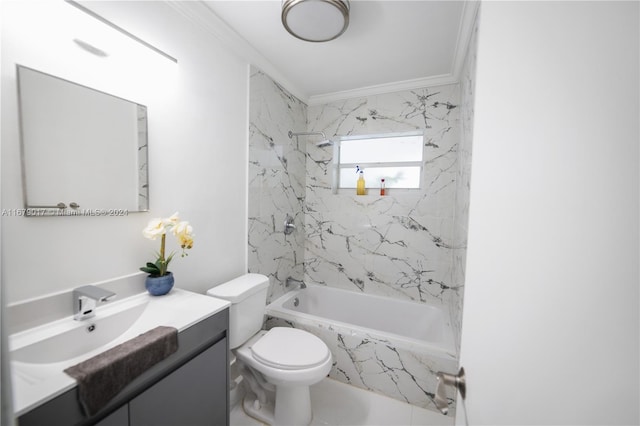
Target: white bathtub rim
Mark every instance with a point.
(277, 310)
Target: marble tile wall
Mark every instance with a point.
(399, 245)
(463, 177)
(368, 361)
(276, 182)
(409, 244)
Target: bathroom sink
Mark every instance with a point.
(67, 338)
(40, 355)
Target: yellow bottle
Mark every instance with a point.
(360, 184)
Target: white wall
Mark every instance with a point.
(550, 326)
(198, 151)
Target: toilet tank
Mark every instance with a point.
(248, 297)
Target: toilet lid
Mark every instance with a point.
(290, 349)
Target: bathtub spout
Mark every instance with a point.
(293, 283)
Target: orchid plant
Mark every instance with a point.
(159, 228)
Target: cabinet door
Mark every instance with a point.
(193, 395)
(120, 417)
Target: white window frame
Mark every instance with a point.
(337, 165)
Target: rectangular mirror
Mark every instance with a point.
(84, 152)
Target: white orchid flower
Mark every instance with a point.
(155, 228)
(184, 233)
(171, 220)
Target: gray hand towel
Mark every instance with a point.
(101, 378)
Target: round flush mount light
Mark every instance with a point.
(315, 20)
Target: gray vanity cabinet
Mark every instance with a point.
(195, 394)
(120, 417)
(189, 388)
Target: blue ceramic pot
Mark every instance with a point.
(157, 286)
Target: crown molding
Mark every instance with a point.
(201, 15)
(465, 31)
(380, 89)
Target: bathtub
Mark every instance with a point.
(388, 346)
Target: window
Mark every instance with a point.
(396, 158)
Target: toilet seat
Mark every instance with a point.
(278, 374)
(290, 349)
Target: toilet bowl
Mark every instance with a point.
(292, 360)
(279, 364)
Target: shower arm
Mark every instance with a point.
(291, 134)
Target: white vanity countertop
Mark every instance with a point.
(34, 384)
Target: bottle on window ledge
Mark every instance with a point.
(360, 183)
(382, 188)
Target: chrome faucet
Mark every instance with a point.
(294, 283)
(85, 299)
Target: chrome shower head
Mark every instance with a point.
(326, 142)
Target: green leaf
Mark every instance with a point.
(152, 271)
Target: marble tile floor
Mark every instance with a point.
(338, 404)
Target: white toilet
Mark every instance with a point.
(279, 365)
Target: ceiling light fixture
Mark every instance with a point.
(315, 20)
